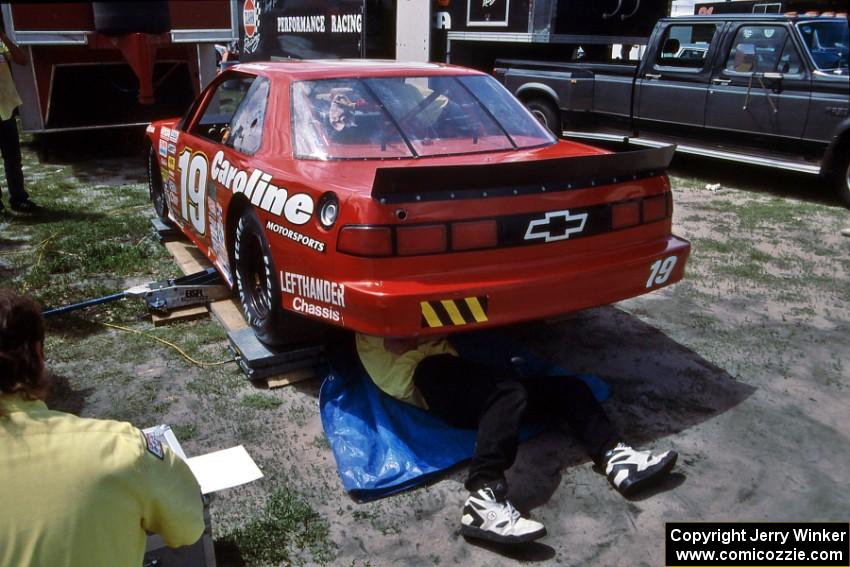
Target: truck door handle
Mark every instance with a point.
(653, 75)
(721, 81)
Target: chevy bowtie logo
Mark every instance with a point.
(556, 225)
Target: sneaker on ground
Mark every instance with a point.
(26, 207)
(631, 471)
(485, 517)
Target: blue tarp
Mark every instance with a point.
(383, 446)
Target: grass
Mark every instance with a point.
(287, 529)
(261, 401)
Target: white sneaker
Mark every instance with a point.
(484, 517)
(630, 470)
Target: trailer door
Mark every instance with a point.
(673, 82)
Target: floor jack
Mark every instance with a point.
(163, 296)
(256, 360)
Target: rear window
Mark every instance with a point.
(686, 45)
(395, 117)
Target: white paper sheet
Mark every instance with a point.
(224, 469)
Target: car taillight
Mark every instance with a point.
(655, 208)
(423, 239)
(625, 214)
(473, 235)
(366, 240)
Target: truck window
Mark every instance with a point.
(685, 45)
(762, 49)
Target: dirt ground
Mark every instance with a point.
(742, 368)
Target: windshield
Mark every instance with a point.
(396, 117)
(827, 43)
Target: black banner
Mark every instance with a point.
(758, 544)
(301, 29)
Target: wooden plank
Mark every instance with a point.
(184, 314)
(227, 312)
(291, 377)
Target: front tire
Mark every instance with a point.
(547, 114)
(841, 177)
(155, 185)
(259, 289)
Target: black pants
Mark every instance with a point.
(10, 147)
(471, 395)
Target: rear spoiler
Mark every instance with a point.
(448, 182)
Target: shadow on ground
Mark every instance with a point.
(658, 388)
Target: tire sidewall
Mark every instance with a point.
(268, 327)
(842, 178)
(543, 110)
(157, 191)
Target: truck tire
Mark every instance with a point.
(157, 190)
(546, 113)
(117, 18)
(258, 286)
(841, 177)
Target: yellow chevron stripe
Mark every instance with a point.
(453, 312)
(430, 315)
(477, 311)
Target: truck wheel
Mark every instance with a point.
(841, 178)
(546, 113)
(259, 289)
(157, 191)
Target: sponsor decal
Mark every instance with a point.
(217, 240)
(175, 135)
(171, 162)
(347, 23)
(304, 306)
(556, 225)
(163, 148)
(251, 25)
(172, 149)
(164, 171)
(301, 239)
(297, 209)
(153, 445)
(454, 312)
(317, 289)
(165, 133)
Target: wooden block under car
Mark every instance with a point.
(186, 314)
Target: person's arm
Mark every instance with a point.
(172, 498)
(15, 52)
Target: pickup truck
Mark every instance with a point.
(770, 90)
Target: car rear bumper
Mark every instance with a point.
(504, 293)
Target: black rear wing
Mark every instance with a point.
(451, 182)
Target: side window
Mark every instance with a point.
(686, 46)
(215, 118)
(246, 128)
(760, 49)
(789, 61)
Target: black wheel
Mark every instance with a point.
(841, 177)
(157, 191)
(546, 113)
(259, 289)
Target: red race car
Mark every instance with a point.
(400, 199)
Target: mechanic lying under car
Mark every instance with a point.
(78, 491)
(429, 374)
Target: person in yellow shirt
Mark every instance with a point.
(76, 491)
(430, 375)
(10, 143)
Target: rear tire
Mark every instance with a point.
(841, 177)
(546, 113)
(259, 288)
(155, 185)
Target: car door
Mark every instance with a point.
(760, 90)
(673, 82)
(226, 128)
